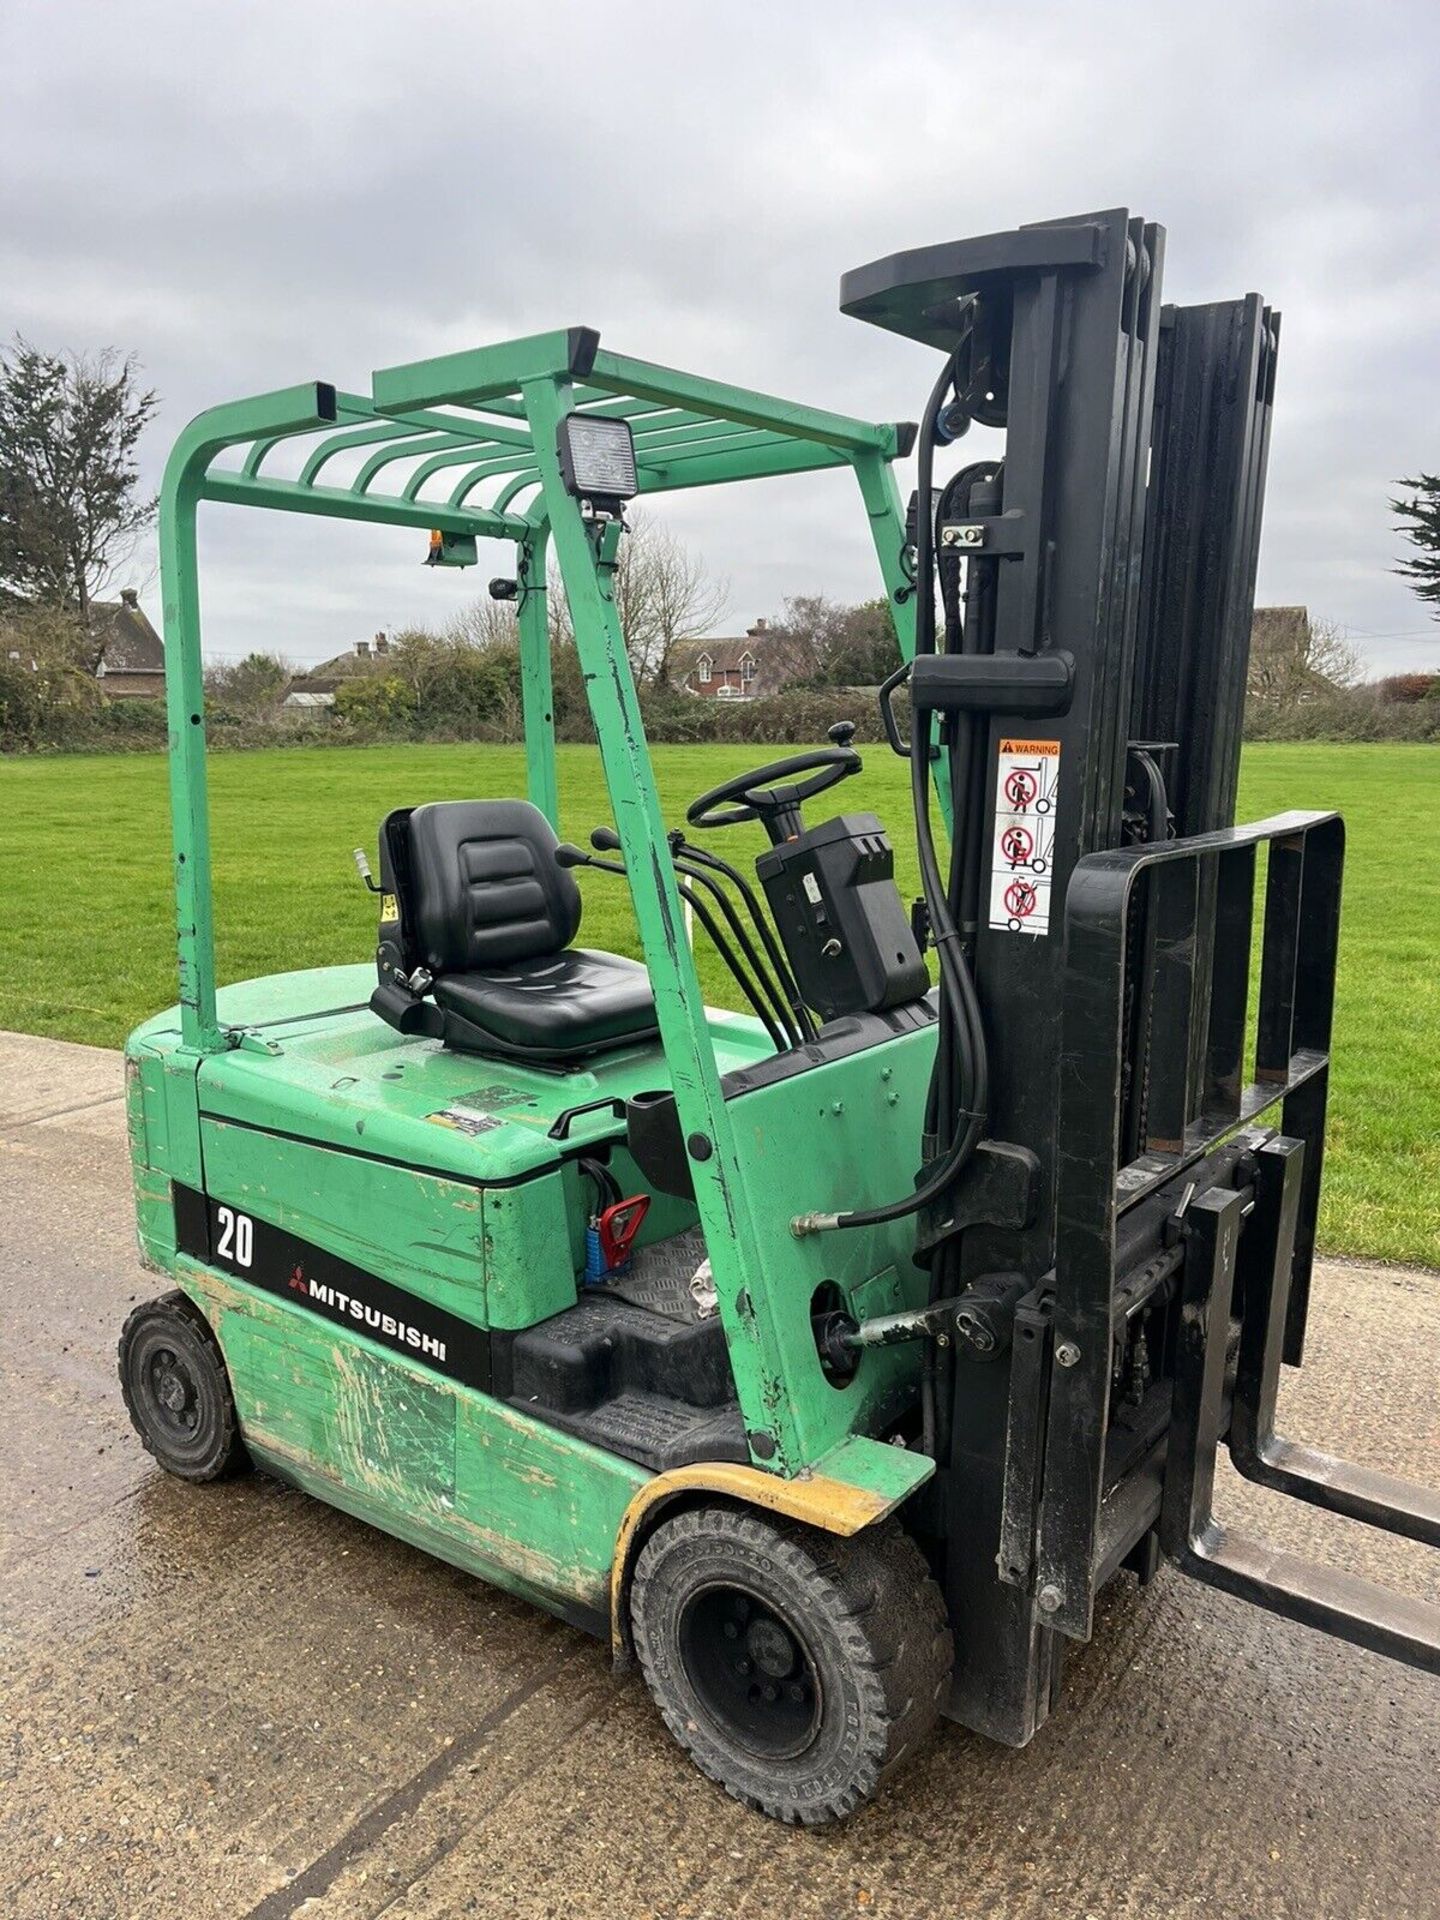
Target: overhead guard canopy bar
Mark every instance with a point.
(466, 410)
(488, 373)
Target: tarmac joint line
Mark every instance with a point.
(315, 1879)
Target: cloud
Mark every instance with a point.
(252, 196)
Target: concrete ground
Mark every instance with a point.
(232, 1701)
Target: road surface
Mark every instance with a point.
(235, 1702)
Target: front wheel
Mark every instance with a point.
(177, 1391)
(795, 1668)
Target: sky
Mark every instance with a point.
(250, 196)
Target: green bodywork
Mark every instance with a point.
(288, 1098)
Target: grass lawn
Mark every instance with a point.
(85, 932)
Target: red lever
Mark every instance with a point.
(618, 1227)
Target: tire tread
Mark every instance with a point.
(877, 1596)
(232, 1457)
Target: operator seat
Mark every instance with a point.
(488, 914)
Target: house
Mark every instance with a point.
(130, 662)
(317, 686)
(727, 669)
(1284, 650)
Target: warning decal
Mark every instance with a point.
(1027, 787)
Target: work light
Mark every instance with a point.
(597, 457)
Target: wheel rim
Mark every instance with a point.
(751, 1670)
(173, 1394)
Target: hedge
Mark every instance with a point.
(27, 724)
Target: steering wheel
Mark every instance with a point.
(774, 794)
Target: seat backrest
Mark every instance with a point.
(486, 890)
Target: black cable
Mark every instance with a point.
(722, 947)
(974, 635)
(925, 511)
(768, 987)
(1159, 807)
(969, 629)
(703, 857)
(942, 1099)
(606, 1185)
(742, 979)
(967, 1097)
(964, 1021)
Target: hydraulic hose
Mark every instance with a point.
(969, 629)
(780, 1037)
(960, 1091)
(703, 857)
(1158, 801)
(773, 992)
(925, 511)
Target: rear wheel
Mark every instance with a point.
(794, 1667)
(177, 1391)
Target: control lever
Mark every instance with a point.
(567, 855)
(362, 867)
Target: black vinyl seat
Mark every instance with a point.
(572, 1002)
(489, 914)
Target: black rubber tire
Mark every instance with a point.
(867, 1617)
(177, 1391)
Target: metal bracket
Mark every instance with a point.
(999, 1187)
(1000, 536)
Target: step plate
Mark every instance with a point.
(663, 1278)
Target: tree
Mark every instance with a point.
(255, 686)
(44, 666)
(1408, 689)
(821, 642)
(50, 645)
(465, 677)
(663, 596)
(1420, 523)
(798, 645)
(375, 705)
(70, 509)
(483, 623)
(418, 658)
(869, 649)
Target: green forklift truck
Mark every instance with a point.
(825, 1358)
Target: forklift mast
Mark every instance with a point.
(1143, 1208)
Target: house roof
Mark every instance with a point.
(1280, 627)
(345, 666)
(129, 644)
(1280, 645)
(726, 653)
